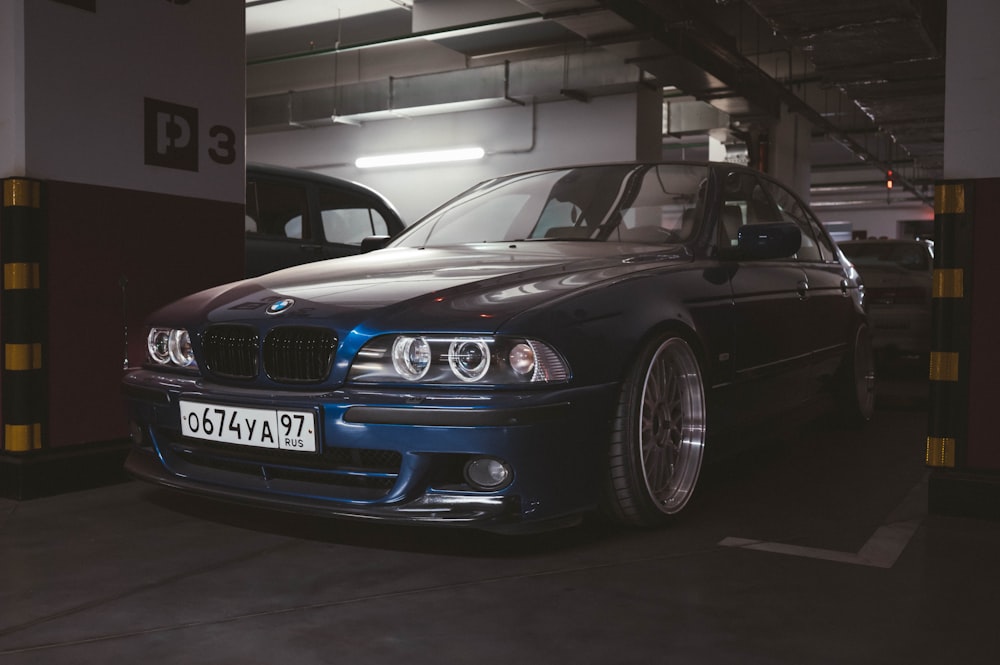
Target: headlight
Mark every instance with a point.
(522, 358)
(411, 357)
(181, 353)
(447, 359)
(158, 345)
(469, 359)
(170, 347)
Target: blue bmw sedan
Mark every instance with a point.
(545, 345)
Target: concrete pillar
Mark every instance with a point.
(972, 90)
(124, 121)
(963, 449)
(649, 124)
(788, 144)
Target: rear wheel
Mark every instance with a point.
(658, 439)
(858, 382)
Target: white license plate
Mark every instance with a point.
(263, 428)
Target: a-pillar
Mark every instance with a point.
(123, 170)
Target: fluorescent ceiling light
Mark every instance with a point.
(267, 15)
(415, 158)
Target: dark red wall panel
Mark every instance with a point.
(983, 451)
(162, 247)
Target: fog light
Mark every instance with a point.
(486, 473)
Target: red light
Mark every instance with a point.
(888, 179)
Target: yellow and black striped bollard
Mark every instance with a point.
(951, 316)
(22, 314)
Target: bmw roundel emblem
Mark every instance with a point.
(279, 306)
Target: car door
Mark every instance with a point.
(830, 315)
(771, 363)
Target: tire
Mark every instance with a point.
(857, 398)
(658, 437)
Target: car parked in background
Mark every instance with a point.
(295, 216)
(898, 277)
(545, 345)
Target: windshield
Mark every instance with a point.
(643, 203)
(909, 255)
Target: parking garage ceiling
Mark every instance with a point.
(867, 74)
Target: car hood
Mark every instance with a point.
(471, 286)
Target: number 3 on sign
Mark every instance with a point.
(224, 148)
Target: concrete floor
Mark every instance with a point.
(815, 549)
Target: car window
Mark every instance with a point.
(816, 246)
(826, 245)
(745, 202)
(661, 208)
(914, 257)
(752, 200)
(486, 213)
(556, 215)
(636, 203)
(277, 209)
(293, 227)
(347, 217)
(483, 220)
(911, 256)
(349, 226)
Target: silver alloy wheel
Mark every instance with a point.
(672, 425)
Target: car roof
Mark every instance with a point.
(256, 168)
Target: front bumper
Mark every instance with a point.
(386, 456)
(454, 509)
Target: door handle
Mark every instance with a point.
(845, 287)
(802, 288)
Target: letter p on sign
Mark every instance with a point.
(171, 135)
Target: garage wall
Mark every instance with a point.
(11, 89)
(515, 138)
(100, 296)
(972, 74)
(130, 117)
(98, 80)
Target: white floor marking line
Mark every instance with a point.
(882, 549)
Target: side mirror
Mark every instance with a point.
(771, 240)
(373, 242)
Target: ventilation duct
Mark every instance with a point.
(577, 76)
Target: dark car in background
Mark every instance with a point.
(295, 216)
(545, 345)
(898, 277)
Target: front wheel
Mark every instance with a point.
(658, 438)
